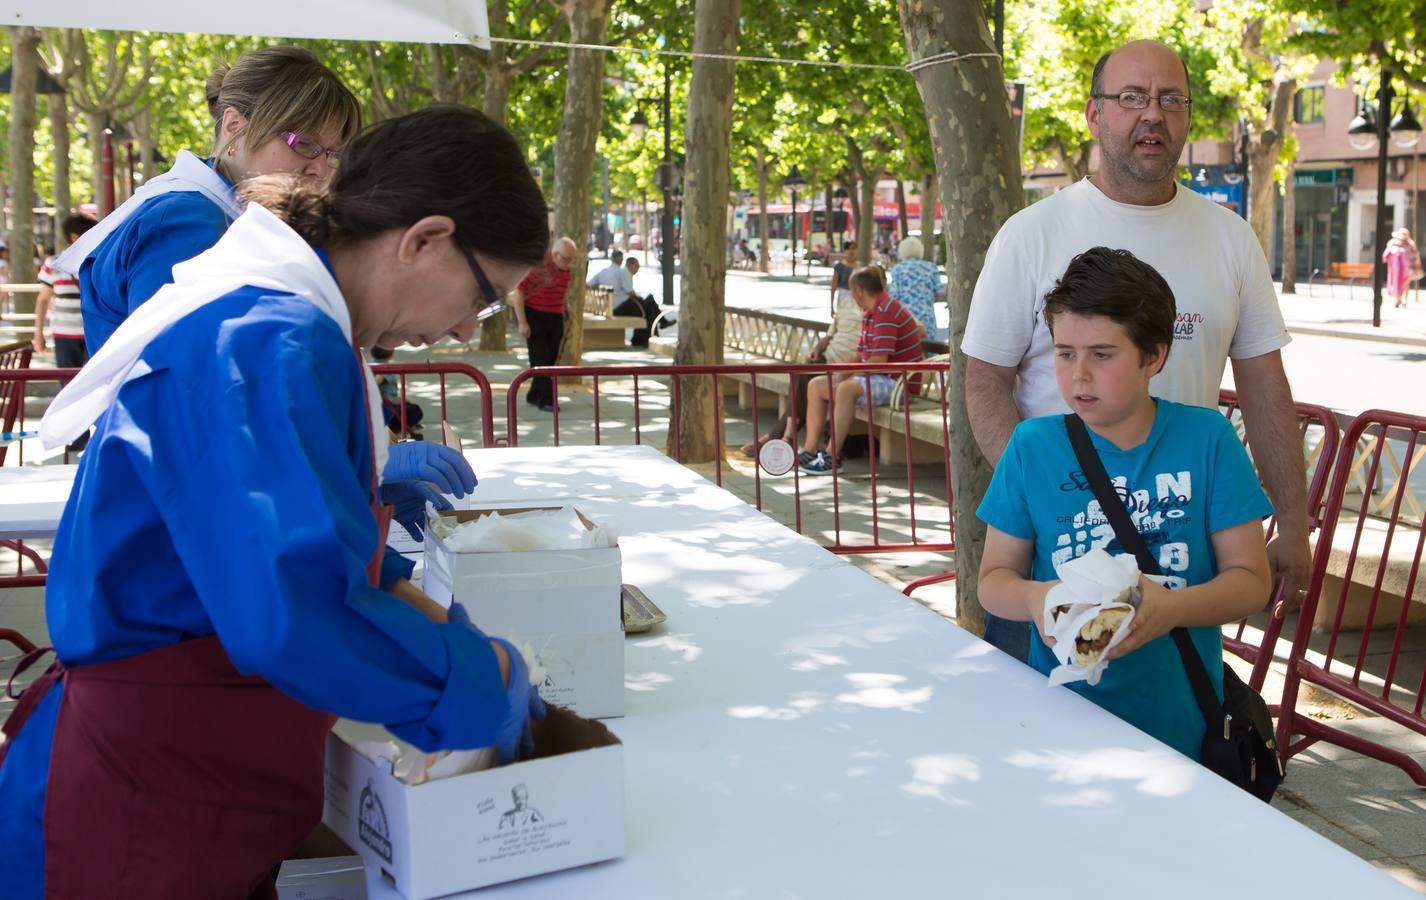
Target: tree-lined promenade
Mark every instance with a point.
(844, 94)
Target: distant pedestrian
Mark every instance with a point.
(1401, 257)
(842, 276)
(539, 304)
(917, 284)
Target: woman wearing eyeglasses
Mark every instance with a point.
(212, 601)
(275, 111)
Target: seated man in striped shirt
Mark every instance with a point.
(889, 334)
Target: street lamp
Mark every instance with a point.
(667, 178)
(1378, 125)
(794, 180)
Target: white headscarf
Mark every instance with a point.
(189, 173)
(259, 250)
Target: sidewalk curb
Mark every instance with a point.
(1357, 335)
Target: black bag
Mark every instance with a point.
(1238, 743)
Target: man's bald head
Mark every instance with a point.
(563, 252)
(1096, 82)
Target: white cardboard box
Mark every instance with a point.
(462, 833)
(565, 604)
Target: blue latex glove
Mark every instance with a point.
(425, 461)
(513, 741)
(410, 498)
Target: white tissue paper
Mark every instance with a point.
(412, 766)
(540, 529)
(1089, 585)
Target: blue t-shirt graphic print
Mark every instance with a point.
(1189, 479)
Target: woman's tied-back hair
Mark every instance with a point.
(1119, 286)
(441, 161)
(281, 89)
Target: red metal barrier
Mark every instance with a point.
(13, 358)
(403, 372)
(1313, 422)
(13, 382)
(1365, 669)
(674, 378)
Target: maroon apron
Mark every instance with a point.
(172, 775)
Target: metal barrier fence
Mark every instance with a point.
(484, 418)
(1377, 563)
(1320, 437)
(472, 410)
(651, 400)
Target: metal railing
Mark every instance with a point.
(1368, 669)
(651, 399)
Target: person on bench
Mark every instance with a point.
(889, 334)
(628, 303)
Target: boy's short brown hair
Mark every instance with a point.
(1117, 285)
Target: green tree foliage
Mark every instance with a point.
(1365, 35)
(1052, 46)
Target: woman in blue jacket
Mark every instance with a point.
(212, 595)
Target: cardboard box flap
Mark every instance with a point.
(470, 515)
(564, 732)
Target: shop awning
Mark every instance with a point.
(415, 21)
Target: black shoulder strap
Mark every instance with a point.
(1131, 540)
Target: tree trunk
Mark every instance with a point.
(854, 193)
(978, 163)
(1289, 227)
(1262, 164)
(644, 217)
(705, 195)
(142, 126)
(866, 227)
(901, 218)
(25, 63)
(829, 215)
(496, 103)
(574, 156)
(762, 166)
(928, 215)
(59, 126)
(94, 124)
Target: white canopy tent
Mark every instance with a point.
(415, 21)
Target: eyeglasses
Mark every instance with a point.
(1140, 100)
(307, 148)
(494, 306)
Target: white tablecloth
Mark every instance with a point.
(32, 499)
(799, 729)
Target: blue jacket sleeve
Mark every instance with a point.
(171, 233)
(394, 566)
(262, 469)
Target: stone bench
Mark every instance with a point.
(1394, 567)
(602, 329)
(923, 427)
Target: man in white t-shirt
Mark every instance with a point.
(1227, 308)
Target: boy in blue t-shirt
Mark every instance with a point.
(1185, 478)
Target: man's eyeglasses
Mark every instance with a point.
(1140, 100)
(307, 148)
(494, 306)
